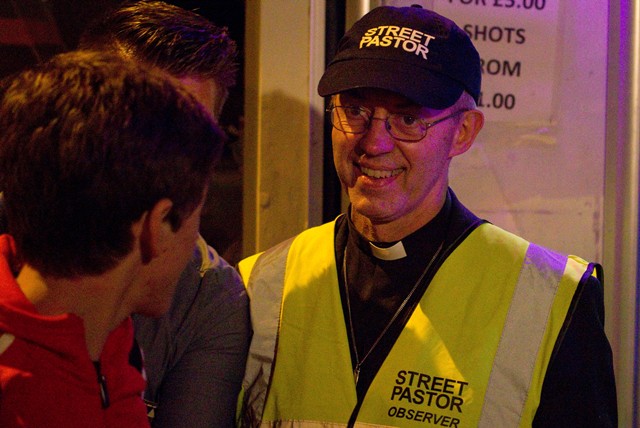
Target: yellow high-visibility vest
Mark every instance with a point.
(473, 353)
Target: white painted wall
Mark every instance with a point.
(282, 159)
(545, 181)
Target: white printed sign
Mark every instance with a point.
(517, 42)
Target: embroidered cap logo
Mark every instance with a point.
(405, 38)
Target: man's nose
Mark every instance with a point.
(377, 140)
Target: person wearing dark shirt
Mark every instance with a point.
(409, 310)
(194, 356)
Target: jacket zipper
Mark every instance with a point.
(102, 383)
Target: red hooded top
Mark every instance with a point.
(47, 378)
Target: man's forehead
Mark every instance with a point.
(372, 97)
(378, 95)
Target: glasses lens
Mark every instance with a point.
(353, 120)
(406, 127)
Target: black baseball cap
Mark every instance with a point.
(408, 50)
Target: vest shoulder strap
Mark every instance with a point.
(515, 359)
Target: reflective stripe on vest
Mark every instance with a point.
(264, 288)
(515, 359)
(518, 364)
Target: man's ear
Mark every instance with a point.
(155, 230)
(470, 124)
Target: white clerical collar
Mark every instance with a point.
(394, 252)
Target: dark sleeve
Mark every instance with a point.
(579, 386)
(201, 388)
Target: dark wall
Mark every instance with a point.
(33, 30)
(73, 15)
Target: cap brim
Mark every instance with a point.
(423, 86)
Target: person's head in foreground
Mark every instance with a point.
(404, 85)
(103, 165)
(184, 44)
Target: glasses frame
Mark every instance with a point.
(369, 114)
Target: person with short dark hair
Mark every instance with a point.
(178, 41)
(103, 166)
(195, 355)
(409, 310)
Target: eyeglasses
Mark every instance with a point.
(402, 127)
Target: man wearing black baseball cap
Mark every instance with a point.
(409, 310)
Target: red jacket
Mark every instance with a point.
(47, 378)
